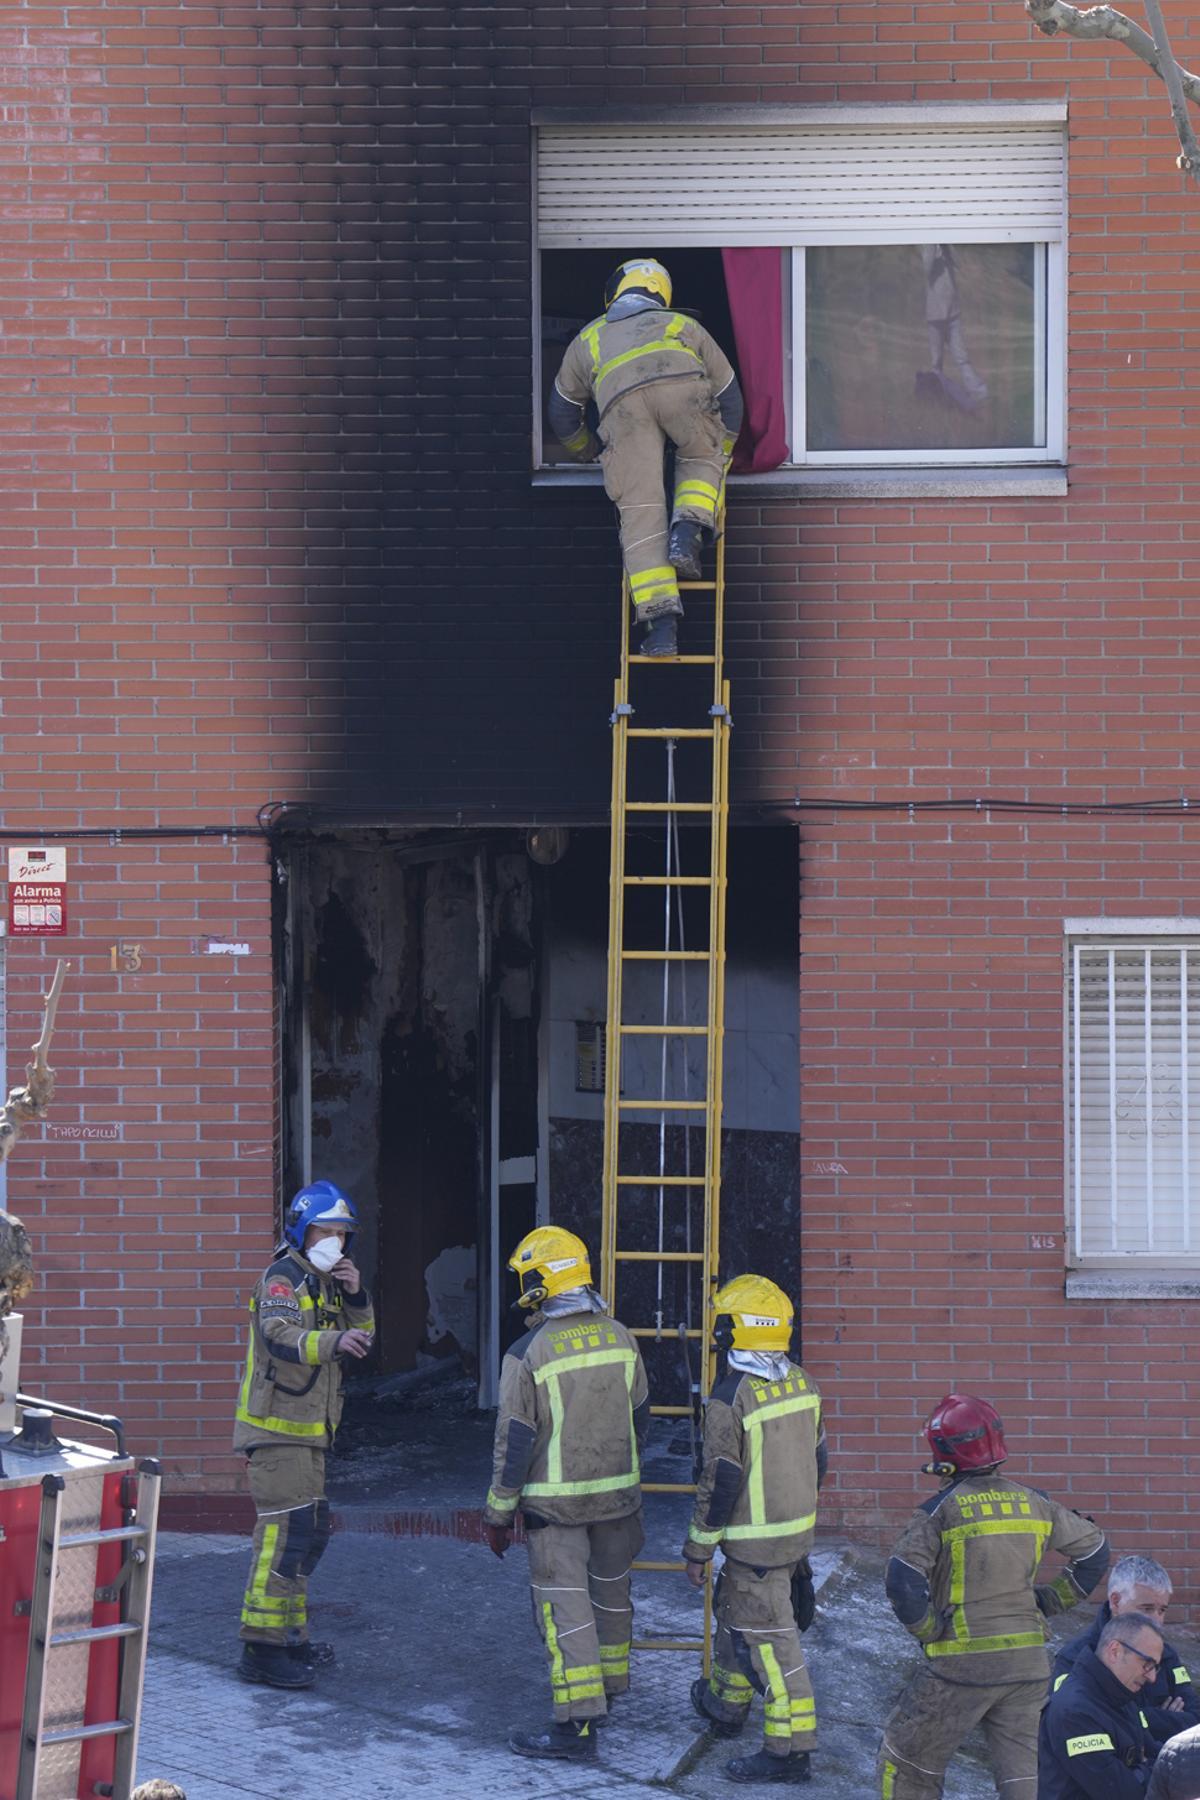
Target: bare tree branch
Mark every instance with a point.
(1053, 16)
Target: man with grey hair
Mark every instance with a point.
(1139, 1584)
(1092, 1744)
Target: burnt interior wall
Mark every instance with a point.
(760, 1162)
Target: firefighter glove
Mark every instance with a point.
(499, 1537)
(804, 1595)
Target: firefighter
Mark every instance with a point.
(764, 1460)
(1141, 1585)
(573, 1409)
(962, 1581)
(309, 1310)
(1094, 1743)
(655, 377)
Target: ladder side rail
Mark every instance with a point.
(41, 1615)
(716, 1003)
(616, 936)
(137, 1594)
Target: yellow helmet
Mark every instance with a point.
(558, 1257)
(761, 1313)
(643, 274)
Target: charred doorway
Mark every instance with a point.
(411, 1074)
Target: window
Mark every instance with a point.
(921, 265)
(1133, 1098)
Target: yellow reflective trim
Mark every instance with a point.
(554, 1448)
(786, 1529)
(614, 1653)
(499, 1505)
(609, 1485)
(1016, 1640)
(700, 490)
(775, 1409)
(1058, 1681)
(557, 1679)
(257, 1599)
(705, 1537)
(1181, 1675)
(666, 573)
(777, 1708)
(1080, 1746)
(957, 1536)
(312, 1347)
(591, 337)
(628, 356)
(586, 1359)
(888, 1789)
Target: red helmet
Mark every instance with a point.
(966, 1432)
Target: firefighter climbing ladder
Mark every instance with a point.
(65, 1572)
(638, 1202)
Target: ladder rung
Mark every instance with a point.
(666, 1337)
(668, 1487)
(693, 585)
(671, 1412)
(120, 1534)
(663, 1030)
(671, 806)
(663, 1105)
(666, 955)
(668, 881)
(93, 1634)
(662, 1256)
(662, 1568)
(692, 1644)
(661, 1180)
(75, 1734)
(664, 731)
(661, 660)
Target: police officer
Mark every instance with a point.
(573, 1408)
(962, 1581)
(309, 1310)
(1094, 1743)
(1139, 1584)
(656, 377)
(764, 1460)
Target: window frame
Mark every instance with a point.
(1043, 459)
(1126, 935)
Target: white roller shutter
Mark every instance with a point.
(899, 182)
(1134, 1098)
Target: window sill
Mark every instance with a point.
(1144, 1284)
(979, 482)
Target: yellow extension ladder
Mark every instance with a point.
(636, 1197)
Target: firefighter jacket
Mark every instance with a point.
(573, 1408)
(961, 1578)
(764, 1449)
(1093, 1743)
(1177, 1771)
(1171, 1682)
(611, 356)
(291, 1390)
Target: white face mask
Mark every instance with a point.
(325, 1252)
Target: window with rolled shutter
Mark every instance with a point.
(922, 261)
(1133, 1099)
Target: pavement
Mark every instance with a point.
(438, 1657)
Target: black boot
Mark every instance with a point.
(683, 548)
(722, 1728)
(662, 637)
(274, 1666)
(316, 1654)
(763, 1767)
(572, 1741)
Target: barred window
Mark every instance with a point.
(1133, 1099)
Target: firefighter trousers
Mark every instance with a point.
(757, 1648)
(932, 1718)
(583, 1611)
(635, 431)
(291, 1532)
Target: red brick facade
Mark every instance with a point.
(268, 534)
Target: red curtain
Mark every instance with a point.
(754, 282)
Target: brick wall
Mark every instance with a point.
(267, 533)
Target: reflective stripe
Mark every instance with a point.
(312, 1347)
(287, 1427)
(888, 1790)
(775, 1408)
(1080, 1746)
(607, 1485)
(1181, 1675)
(554, 1448)
(591, 337)
(587, 1359)
(777, 1710)
(578, 440)
(706, 1537)
(1017, 1640)
(257, 1599)
(557, 1683)
(498, 1504)
(956, 1536)
(628, 356)
(1058, 1681)
(784, 1529)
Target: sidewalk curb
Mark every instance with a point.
(686, 1761)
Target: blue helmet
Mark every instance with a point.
(320, 1203)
